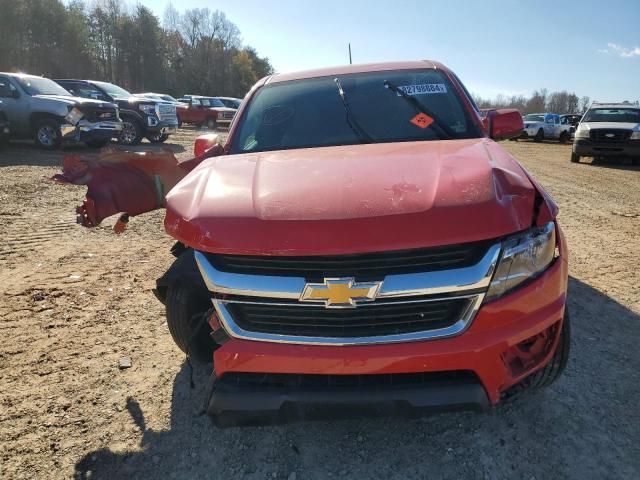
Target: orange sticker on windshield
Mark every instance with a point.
(422, 120)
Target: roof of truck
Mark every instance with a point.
(347, 69)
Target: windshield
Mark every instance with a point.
(534, 117)
(230, 102)
(41, 86)
(311, 112)
(630, 115)
(113, 90)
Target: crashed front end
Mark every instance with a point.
(318, 310)
(92, 122)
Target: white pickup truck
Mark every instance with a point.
(545, 126)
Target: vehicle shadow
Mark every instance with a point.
(24, 153)
(614, 163)
(585, 426)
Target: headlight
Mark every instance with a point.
(635, 136)
(148, 109)
(582, 132)
(524, 256)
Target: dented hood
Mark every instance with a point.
(350, 199)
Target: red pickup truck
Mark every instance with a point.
(360, 242)
(206, 111)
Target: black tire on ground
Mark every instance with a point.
(131, 132)
(157, 138)
(564, 136)
(539, 136)
(98, 143)
(179, 123)
(47, 134)
(212, 124)
(185, 307)
(551, 372)
(575, 158)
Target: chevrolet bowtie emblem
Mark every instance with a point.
(340, 292)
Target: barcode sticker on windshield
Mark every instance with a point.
(423, 89)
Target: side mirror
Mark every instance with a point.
(208, 144)
(504, 123)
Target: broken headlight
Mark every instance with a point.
(524, 256)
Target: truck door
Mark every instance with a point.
(15, 105)
(193, 111)
(549, 126)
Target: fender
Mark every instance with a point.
(37, 116)
(132, 113)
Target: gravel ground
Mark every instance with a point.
(75, 301)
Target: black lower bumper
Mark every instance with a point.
(233, 401)
(594, 149)
(163, 127)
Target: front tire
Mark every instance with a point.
(131, 132)
(564, 136)
(539, 136)
(212, 124)
(48, 135)
(575, 158)
(185, 307)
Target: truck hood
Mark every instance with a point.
(70, 100)
(352, 199)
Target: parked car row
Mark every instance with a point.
(54, 111)
(545, 126)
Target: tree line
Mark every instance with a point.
(197, 51)
(540, 101)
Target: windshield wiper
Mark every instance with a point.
(362, 135)
(444, 132)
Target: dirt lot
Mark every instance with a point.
(74, 301)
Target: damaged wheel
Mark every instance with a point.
(187, 301)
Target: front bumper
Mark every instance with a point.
(588, 148)
(86, 130)
(482, 350)
(164, 125)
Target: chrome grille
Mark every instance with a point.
(610, 135)
(360, 266)
(374, 319)
(167, 111)
(409, 305)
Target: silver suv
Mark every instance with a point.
(40, 108)
(608, 130)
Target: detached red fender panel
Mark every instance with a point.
(121, 181)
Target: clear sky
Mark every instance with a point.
(591, 47)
